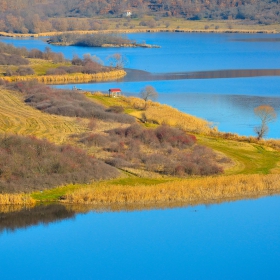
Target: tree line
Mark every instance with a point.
(34, 16)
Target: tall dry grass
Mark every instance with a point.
(188, 190)
(79, 77)
(16, 199)
(164, 114)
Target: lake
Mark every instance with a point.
(233, 240)
(226, 99)
(230, 240)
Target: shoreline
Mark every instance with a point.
(108, 45)
(68, 79)
(188, 191)
(146, 30)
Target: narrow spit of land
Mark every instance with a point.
(193, 162)
(252, 171)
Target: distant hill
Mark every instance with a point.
(34, 16)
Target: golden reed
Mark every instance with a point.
(206, 189)
(79, 77)
(16, 199)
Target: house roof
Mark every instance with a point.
(115, 89)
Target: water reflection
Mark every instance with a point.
(17, 217)
(26, 217)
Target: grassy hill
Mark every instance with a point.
(250, 167)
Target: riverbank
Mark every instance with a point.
(69, 78)
(174, 25)
(125, 193)
(146, 30)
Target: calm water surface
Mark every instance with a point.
(236, 240)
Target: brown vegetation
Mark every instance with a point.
(55, 68)
(36, 16)
(266, 114)
(30, 164)
(163, 150)
(64, 102)
(96, 40)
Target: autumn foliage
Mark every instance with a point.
(163, 150)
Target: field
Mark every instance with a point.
(21, 119)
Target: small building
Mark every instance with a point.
(127, 13)
(115, 92)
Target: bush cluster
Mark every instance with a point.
(15, 59)
(30, 164)
(21, 71)
(65, 102)
(165, 150)
(87, 40)
(11, 55)
(87, 65)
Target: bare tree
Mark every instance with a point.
(267, 115)
(117, 60)
(148, 92)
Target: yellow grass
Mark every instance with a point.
(16, 199)
(18, 118)
(156, 113)
(164, 114)
(175, 25)
(207, 189)
(78, 77)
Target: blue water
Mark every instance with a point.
(237, 240)
(226, 103)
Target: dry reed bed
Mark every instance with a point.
(79, 77)
(188, 190)
(16, 199)
(198, 29)
(164, 114)
(18, 118)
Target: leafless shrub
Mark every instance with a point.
(29, 164)
(116, 109)
(65, 102)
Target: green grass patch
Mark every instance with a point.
(55, 193)
(249, 158)
(40, 66)
(134, 181)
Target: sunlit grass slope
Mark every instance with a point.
(18, 118)
(249, 158)
(156, 113)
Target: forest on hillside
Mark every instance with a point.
(34, 16)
